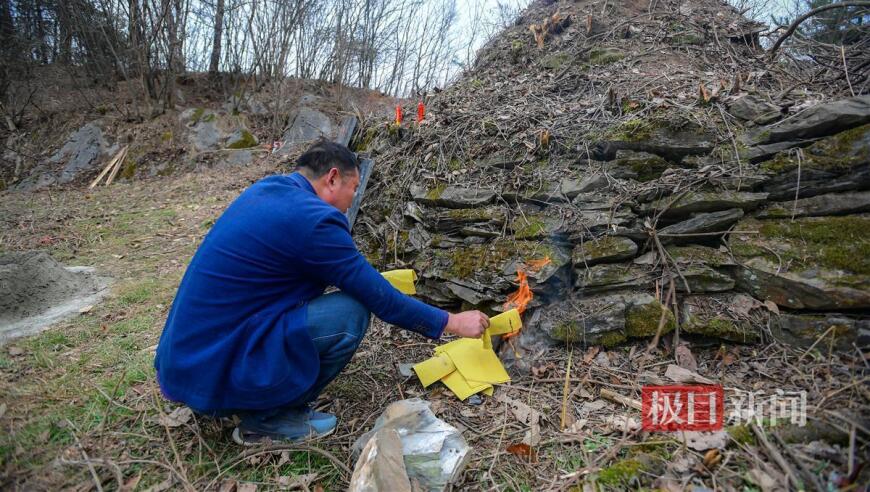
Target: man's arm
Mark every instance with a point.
(332, 256)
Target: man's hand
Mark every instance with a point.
(469, 324)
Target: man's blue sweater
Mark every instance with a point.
(235, 337)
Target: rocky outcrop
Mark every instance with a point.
(840, 331)
(837, 163)
(819, 263)
(82, 154)
(818, 121)
(820, 205)
(606, 320)
(452, 196)
(694, 202)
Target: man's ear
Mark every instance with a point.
(332, 176)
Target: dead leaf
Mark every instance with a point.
(523, 450)
(576, 427)
(317, 488)
(678, 374)
(712, 458)
(15, 350)
(164, 485)
(2, 410)
(131, 484)
(228, 486)
(764, 481)
(590, 354)
(524, 413)
(685, 358)
(297, 482)
(771, 306)
(621, 423)
(86, 309)
(246, 487)
(702, 441)
(178, 417)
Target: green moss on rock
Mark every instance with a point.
(555, 61)
(572, 332)
(246, 140)
(529, 228)
(647, 169)
(620, 473)
(642, 320)
(838, 243)
(605, 56)
(633, 130)
(838, 152)
(435, 193)
(741, 434)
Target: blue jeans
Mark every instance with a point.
(337, 324)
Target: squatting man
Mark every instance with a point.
(251, 332)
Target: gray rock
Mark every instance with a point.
(452, 196)
(755, 109)
(606, 249)
(837, 163)
(701, 223)
(818, 121)
(644, 166)
(761, 153)
(308, 125)
(832, 204)
(818, 263)
(604, 319)
(700, 255)
(594, 201)
(734, 317)
(606, 277)
(826, 330)
(705, 201)
(596, 182)
(206, 132)
(242, 138)
(588, 321)
(239, 158)
(81, 153)
(701, 279)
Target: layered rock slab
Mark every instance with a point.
(819, 263)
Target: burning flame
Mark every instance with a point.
(523, 295)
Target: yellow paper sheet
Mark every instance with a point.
(459, 342)
(434, 368)
(504, 323)
(478, 364)
(403, 280)
(463, 388)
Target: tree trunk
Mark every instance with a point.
(216, 43)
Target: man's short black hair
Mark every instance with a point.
(323, 156)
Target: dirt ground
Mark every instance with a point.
(79, 404)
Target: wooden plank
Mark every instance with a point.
(345, 131)
(365, 170)
(117, 167)
(110, 165)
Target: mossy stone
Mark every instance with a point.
(555, 61)
(642, 320)
(838, 243)
(246, 140)
(741, 434)
(839, 152)
(605, 56)
(620, 473)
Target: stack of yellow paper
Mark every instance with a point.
(403, 280)
(469, 365)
